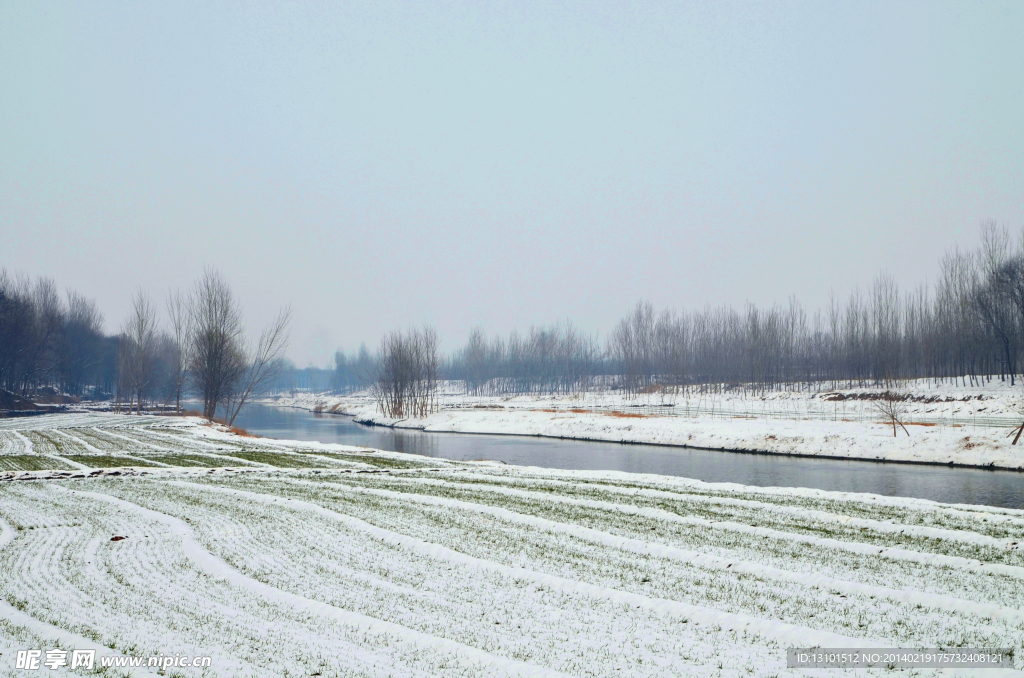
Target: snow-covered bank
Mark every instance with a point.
(947, 425)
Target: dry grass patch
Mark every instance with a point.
(237, 430)
(628, 415)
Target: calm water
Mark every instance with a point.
(955, 485)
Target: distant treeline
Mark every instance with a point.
(970, 325)
(55, 343)
(556, 359)
(50, 339)
(967, 327)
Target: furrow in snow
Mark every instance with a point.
(780, 631)
(48, 631)
(706, 560)
(144, 443)
(217, 567)
(680, 485)
(859, 548)
(78, 441)
(807, 514)
(25, 440)
(65, 638)
(72, 464)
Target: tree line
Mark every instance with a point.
(204, 349)
(966, 328)
(52, 342)
(555, 359)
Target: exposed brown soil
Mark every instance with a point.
(607, 413)
(50, 397)
(13, 401)
(834, 397)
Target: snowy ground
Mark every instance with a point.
(280, 558)
(946, 424)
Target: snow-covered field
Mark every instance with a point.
(280, 558)
(947, 424)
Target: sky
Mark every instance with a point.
(378, 165)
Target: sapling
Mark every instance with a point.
(893, 406)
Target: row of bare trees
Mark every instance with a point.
(51, 340)
(555, 359)
(353, 372)
(871, 339)
(53, 343)
(205, 348)
(969, 327)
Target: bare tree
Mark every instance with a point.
(885, 317)
(893, 406)
(181, 344)
(632, 346)
(47, 341)
(474, 361)
(407, 365)
(263, 363)
(138, 348)
(217, 360)
(39, 360)
(78, 345)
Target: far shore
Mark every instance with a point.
(944, 425)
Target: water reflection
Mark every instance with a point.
(955, 485)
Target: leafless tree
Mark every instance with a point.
(182, 343)
(138, 346)
(632, 346)
(78, 348)
(40, 359)
(893, 406)
(225, 371)
(553, 359)
(262, 363)
(352, 372)
(885, 318)
(407, 366)
(475, 361)
(217, 360)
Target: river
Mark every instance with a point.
(940, 483)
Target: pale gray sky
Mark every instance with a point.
(378, 164)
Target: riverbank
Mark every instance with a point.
(947, 425)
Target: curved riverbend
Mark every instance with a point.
(939, 483)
